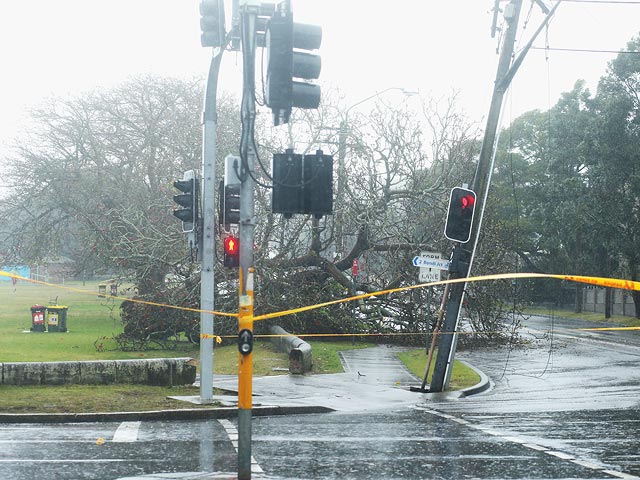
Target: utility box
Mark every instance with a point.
(37, 318)
(57, 318)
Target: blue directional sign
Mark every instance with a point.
(419, 261)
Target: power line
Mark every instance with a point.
(586, 50)
(604, 2)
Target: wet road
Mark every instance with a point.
(566, 406)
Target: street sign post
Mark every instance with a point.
(431, 264)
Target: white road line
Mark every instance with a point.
(532, 446)
(232, 433)
(127, 432)
(624, 476)
(562, 455)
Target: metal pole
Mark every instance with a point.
(206, 251)
(462, 257)
(247, 226)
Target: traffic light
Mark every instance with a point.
(231, 247)
(229, 212)
(317, 190)
(462, 204)
(231, 205)
(287, 183)
(187, 200)
(302, 184)
(284, 64)
(212, 23)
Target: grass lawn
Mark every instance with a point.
(589, 316)
(461, 376)
(91, 318)
(92, 398)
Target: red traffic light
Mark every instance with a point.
(468, 201)
(460, 215)
(231, 246)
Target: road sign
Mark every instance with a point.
(431, 264)
(430, 260)
(428, 275)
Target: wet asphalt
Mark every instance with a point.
(564, 405)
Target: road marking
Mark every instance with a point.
(532, 446)
(127, 432)
(624, 476)
(562, 455)
(232, 433)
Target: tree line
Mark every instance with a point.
(92, 181)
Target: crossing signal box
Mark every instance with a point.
(462, 204)
(231, 252)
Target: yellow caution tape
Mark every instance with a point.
(115, 297)
(217, 338)
(598, 281)
(605, 282)
(607, 329)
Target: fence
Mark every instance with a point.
(593, 300)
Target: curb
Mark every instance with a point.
(482, 386)
(182, 414)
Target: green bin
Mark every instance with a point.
(57, 318)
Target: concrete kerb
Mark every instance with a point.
(482, 386)
(166, 415)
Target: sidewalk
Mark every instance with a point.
(374, 378)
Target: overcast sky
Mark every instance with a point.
(65, 47)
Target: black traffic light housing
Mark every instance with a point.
(287, 59)
(212, 23)
(302, 184)
(231, 205)
(188, 202)
(462, 204)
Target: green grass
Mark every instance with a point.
(588, 316)
(91, 319)
(325, 354)
(91, 398)
(461, 377)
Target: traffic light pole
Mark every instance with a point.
(461, 257)
(206, 251)
(247, 225)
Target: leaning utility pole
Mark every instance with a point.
(462, 259)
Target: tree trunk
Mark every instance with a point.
(579, 295)
(608, 295)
